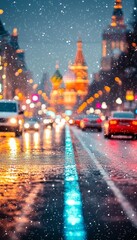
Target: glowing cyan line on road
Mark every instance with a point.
(127, 207)
(73, 217)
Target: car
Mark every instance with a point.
(121, 123)
(92, 121)
(11, 117)
(32, 123)
(47, 121)
(77, 120)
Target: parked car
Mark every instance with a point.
(11, 117)
(121, 123)
(32, 123)
(92, 121)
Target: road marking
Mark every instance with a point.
(127, 207)
(73, 216)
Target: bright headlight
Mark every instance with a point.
(13, 120)
(36, 125)
(26, 125)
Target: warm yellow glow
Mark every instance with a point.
(118, 7)
(118, 80)
(122, 47)
(31, 80)
(113, 23)
(1, 96)
(43, 94)
(27, 140)
(16, 74)
(20, 70)
(3, 76)
(35, 86)
(38, 104)
(15, 32)
(1, 11)
(100, 92)
(118, 4)
(89, 101)
(96, 95)
(1, 67)
(129, 95)
(107, 89)
(13, 121)
(113, 44)
(20, 95)
(104, 48)
(5, 64)
(39, 92)
(134, 123)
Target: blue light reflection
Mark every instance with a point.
(73, 216)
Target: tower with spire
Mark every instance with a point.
(114, 37)
(80, 69)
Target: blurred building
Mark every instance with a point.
(14, 74)
(69, 90)
(115, 85)
(114, 40)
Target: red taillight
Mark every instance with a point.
(85, 119)
(99, 120)
(112, 122)
(134, 123)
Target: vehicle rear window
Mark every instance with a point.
(8, 107)
(93, 116)
(123, 115)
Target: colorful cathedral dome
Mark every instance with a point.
(69, 79)
(56, 79)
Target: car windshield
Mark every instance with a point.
(123, 115)
(31, 120)
(8, 107)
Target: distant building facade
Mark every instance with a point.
(114, 40)
(14, 74)
(69, 90)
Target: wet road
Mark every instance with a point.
(63, 183)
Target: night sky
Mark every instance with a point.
(49, 29)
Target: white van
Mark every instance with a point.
(11, 117)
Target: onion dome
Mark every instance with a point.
(69, 76)
(69, 79)
(56, 79)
